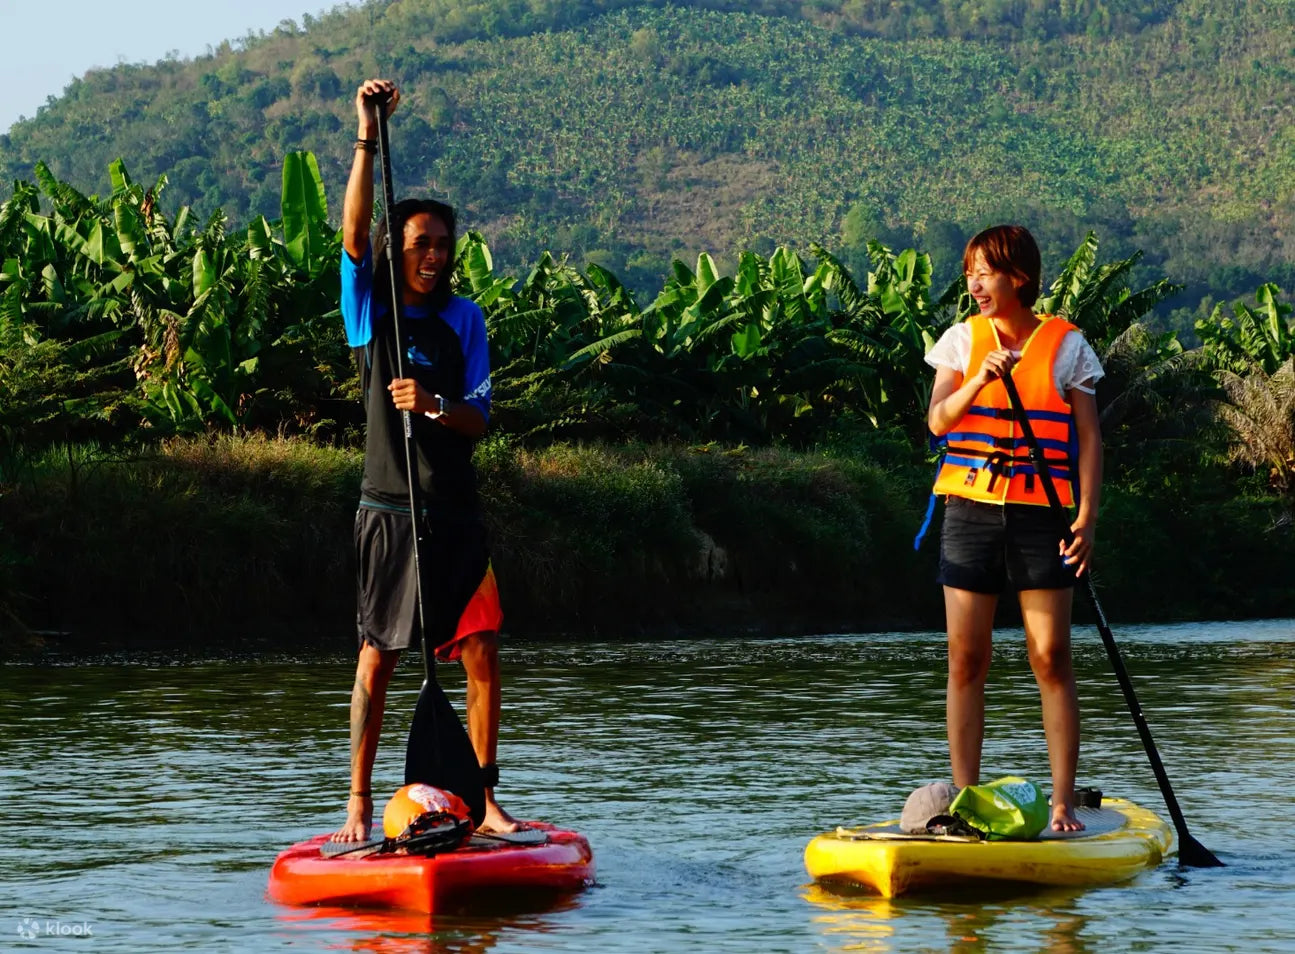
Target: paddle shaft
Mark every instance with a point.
(395, 245)
(439, 751)
(1190, 851)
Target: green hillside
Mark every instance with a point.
(630, 133)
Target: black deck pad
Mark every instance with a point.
(1097, 821)
(351, 849)
(523, 836)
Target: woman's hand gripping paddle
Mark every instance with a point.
(439, 752)
(1191, 853)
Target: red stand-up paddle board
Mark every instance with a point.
(488, 869)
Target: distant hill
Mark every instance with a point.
(628, 133)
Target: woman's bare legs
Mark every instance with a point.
(1046, 614)
(970, 621)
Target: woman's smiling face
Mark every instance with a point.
(995, 292)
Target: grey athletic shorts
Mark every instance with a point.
(455, 562)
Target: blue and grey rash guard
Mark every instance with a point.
(447, 354)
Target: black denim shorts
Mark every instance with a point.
(986, 547)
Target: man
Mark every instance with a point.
(447, 394)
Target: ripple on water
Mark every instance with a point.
(155, 795)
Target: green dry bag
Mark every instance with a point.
(1007, 809)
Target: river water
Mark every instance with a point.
(145, 797)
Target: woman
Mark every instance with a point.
(998, 528)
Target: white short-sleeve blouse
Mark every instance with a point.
(1077, 366)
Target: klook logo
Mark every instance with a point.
(32, 928)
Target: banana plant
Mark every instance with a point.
(217, 328)
(308, 239)
(1096, 297)
(890, 326)
(64, 366)
(746, 357)
(258, 318)
(1262, 337)
(291, 355)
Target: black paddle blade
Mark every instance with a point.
(1192, 854)
(440, 753)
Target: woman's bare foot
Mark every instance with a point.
(498, 820)
(1063, 819)
(359, 820)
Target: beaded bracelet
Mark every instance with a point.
(368, 145)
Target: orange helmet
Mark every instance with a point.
(412, 802)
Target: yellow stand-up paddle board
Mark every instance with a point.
(1120, 839)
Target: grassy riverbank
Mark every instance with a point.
(230, 540)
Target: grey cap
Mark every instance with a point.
(924, 804)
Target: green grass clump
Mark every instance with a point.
(220, 542)
(214, 539)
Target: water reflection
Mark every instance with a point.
(855, 920)
(395, 932)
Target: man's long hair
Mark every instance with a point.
(402, 212)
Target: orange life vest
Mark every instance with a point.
(986, 457)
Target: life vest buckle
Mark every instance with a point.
(998, 464)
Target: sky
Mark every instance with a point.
(48, 43)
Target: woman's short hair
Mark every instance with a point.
(1009, 249)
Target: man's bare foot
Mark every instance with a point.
(498, 820)
(1063, 819)
(359, 820)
